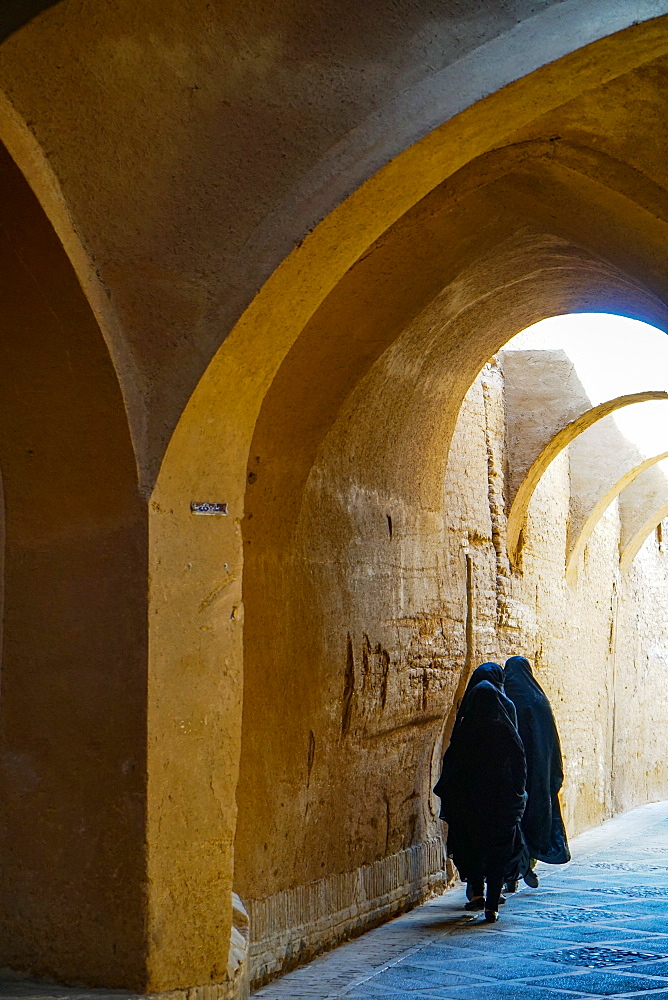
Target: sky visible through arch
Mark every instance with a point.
(616, 356)
(612, 356)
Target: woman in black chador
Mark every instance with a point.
(492, 672)
(542, 824)
(482, 792)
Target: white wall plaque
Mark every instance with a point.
(210, 509)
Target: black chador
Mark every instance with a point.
(542, 824)
(492, 672)
(482, 792)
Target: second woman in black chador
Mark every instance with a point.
(482, 792)
(542, 824)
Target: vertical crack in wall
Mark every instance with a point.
(612, 652)
(309, 768)
(348, 688)
(311, 756)
(492, 391)
(470, 623)
(385, 660)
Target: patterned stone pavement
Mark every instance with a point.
(597, 927)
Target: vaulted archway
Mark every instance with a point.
(332, 387)
(588, 520)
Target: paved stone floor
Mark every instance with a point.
(597, 927)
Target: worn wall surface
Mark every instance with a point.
(391, 588)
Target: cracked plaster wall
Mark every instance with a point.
(392, 599)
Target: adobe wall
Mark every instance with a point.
(388, 598)
(598, 646)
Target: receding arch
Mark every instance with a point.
(556, 445)
(634, 544)
(341, 445)
(580, 542)
(638, 506)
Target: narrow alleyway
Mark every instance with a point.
(597, 927)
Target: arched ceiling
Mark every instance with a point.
(182, 138)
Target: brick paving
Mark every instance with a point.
(597, 927)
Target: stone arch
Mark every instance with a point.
(211, 455)
(38, 171)
(72, 700)
(640, 509)
(635, 544)
(585, 527)
(389, 437)
(551, 265)
(556, 445)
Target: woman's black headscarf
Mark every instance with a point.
(542, 823)
(492, 672)
(482, 787)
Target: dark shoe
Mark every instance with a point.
(473, 890)
(502, 900)
(531, 879)
(511, 886)
(491, 916)
(477, 903)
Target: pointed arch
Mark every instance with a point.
(637, 540)
(197, 564)
(607, 497)
(556, 445)
(24, 149)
